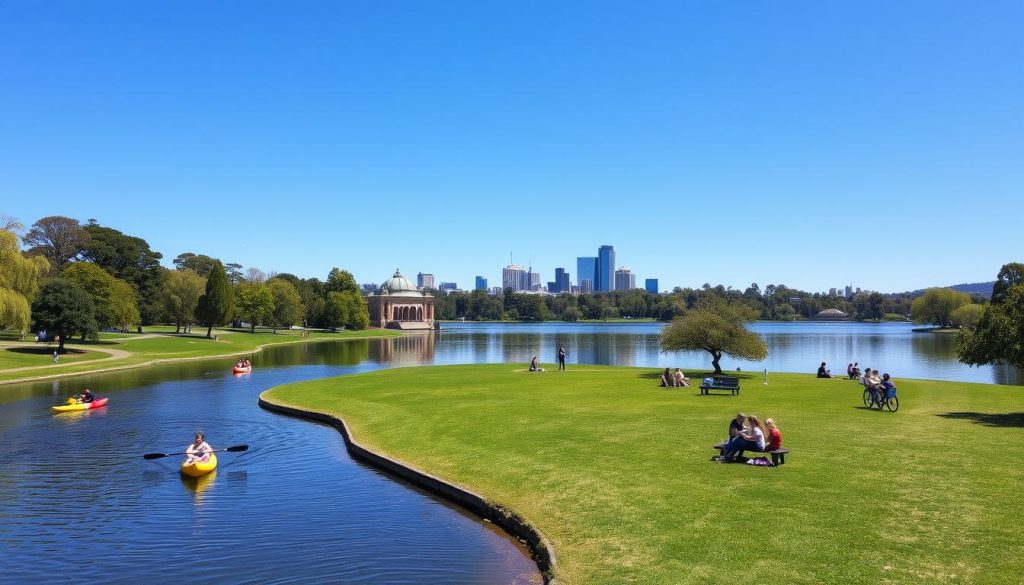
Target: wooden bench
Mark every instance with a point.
(778, 455)
(721, 383)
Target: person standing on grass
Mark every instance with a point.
(561, 357)
(55, 356)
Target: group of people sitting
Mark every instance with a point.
(878, 386)
(747, 434)
(677, 379)
(243, 363)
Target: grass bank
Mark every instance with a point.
(615, 471)
(25, 360)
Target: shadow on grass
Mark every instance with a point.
(989, 419)
(43, 350)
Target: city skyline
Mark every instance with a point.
(809, 146)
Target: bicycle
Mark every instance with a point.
(888, 399)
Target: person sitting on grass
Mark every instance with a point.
(534, 366)
(667, 381)
(822, 372)
(680, 378)
(746, 440)
(774, 435)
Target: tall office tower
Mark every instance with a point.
(449, 286)
(425, 280)
(849, 291)
(605, 277)
(586, 269)
(514, 277)
(481, 283)
(651, 285)
(624, 279)
(534, 281)
(561, 281)
(586, 286)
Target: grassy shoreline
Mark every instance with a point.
(27, 361)
(614, 471)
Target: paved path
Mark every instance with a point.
(113, 355)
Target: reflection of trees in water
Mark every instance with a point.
(1008, 375)
(336, 353)
(408, 349)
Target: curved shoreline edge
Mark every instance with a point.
(511, 523)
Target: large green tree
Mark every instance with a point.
(130, 259)
(64, 308)
(19, 282)
(201, 264)
(937, 305)
(717, 328)
(346, 309)
(181, 293)
(113, 299)
(288, 308)
(1009, 275)
(218, 302)
(998, 337)
(57, 238)
(254, 303)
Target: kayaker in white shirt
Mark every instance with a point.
(199, 450)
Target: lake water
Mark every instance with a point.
(78, 503)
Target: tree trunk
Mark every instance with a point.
(252, 327)
(209, 332)
(716, 356)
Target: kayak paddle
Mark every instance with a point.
(233, 449)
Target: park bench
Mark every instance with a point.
(724, 383)
(778, 455)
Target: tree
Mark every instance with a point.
(254, 303)
(716, 328)
(181, 293)
(288, 308)
(1010, 275)
(113, 299)
(57, 238)
(130, 259)
(998, 337)
(64, 308)
(936, 306)
(968, 316)
(218, 302)
(339, 280)
(346, 309)
(19, 282)
(200, 263)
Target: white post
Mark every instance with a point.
(766, 376)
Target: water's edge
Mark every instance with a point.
(510, 522)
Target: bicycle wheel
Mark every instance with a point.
(867, 398)
(893, 404)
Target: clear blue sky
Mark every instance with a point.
(805, 143)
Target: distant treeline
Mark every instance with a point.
(774, 303)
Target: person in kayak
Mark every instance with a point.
(86, 396)
(198, 450)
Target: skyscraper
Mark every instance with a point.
(651, 285)
(481, 283)
(424, 280)
(605, 269)
(515, 277)
(586, 270)
(562, 283)
(625, 279)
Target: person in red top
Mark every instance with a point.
(774, 436)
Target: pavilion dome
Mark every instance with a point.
(397, 284)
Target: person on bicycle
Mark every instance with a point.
(874, 384)
(887, 386)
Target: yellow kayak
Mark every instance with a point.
(200, 468)
(80, 405)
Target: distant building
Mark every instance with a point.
(496, 291)
(849, 291)
(586, 286)
(605, 278)
(561, 282)
(832, 292)
(396, 304)
(481, 283)
(624, 279)
(424, 280)
(367, 288)
(651, 285)
(515, 277)
(831, 315)
(534, 280)
(448, 286)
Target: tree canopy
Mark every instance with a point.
(64, 308)
(218, 302)
(113, 299)
(130, 259)
(288, 308)
(937, 305)
(716, 328)
(19, 282)
(254, 302)
(998, 337)
(181, 292)
(57, 238)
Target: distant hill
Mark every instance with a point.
(973, 288)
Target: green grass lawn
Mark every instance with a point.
(166, 345)
(615, 471)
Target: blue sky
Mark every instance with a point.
(804, 143)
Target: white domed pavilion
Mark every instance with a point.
(397, 304)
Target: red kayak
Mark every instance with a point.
(99, 402)
(238, 370)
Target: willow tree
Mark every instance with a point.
(717, 328)
(19, 282)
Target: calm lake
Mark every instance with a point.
(79, 504)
